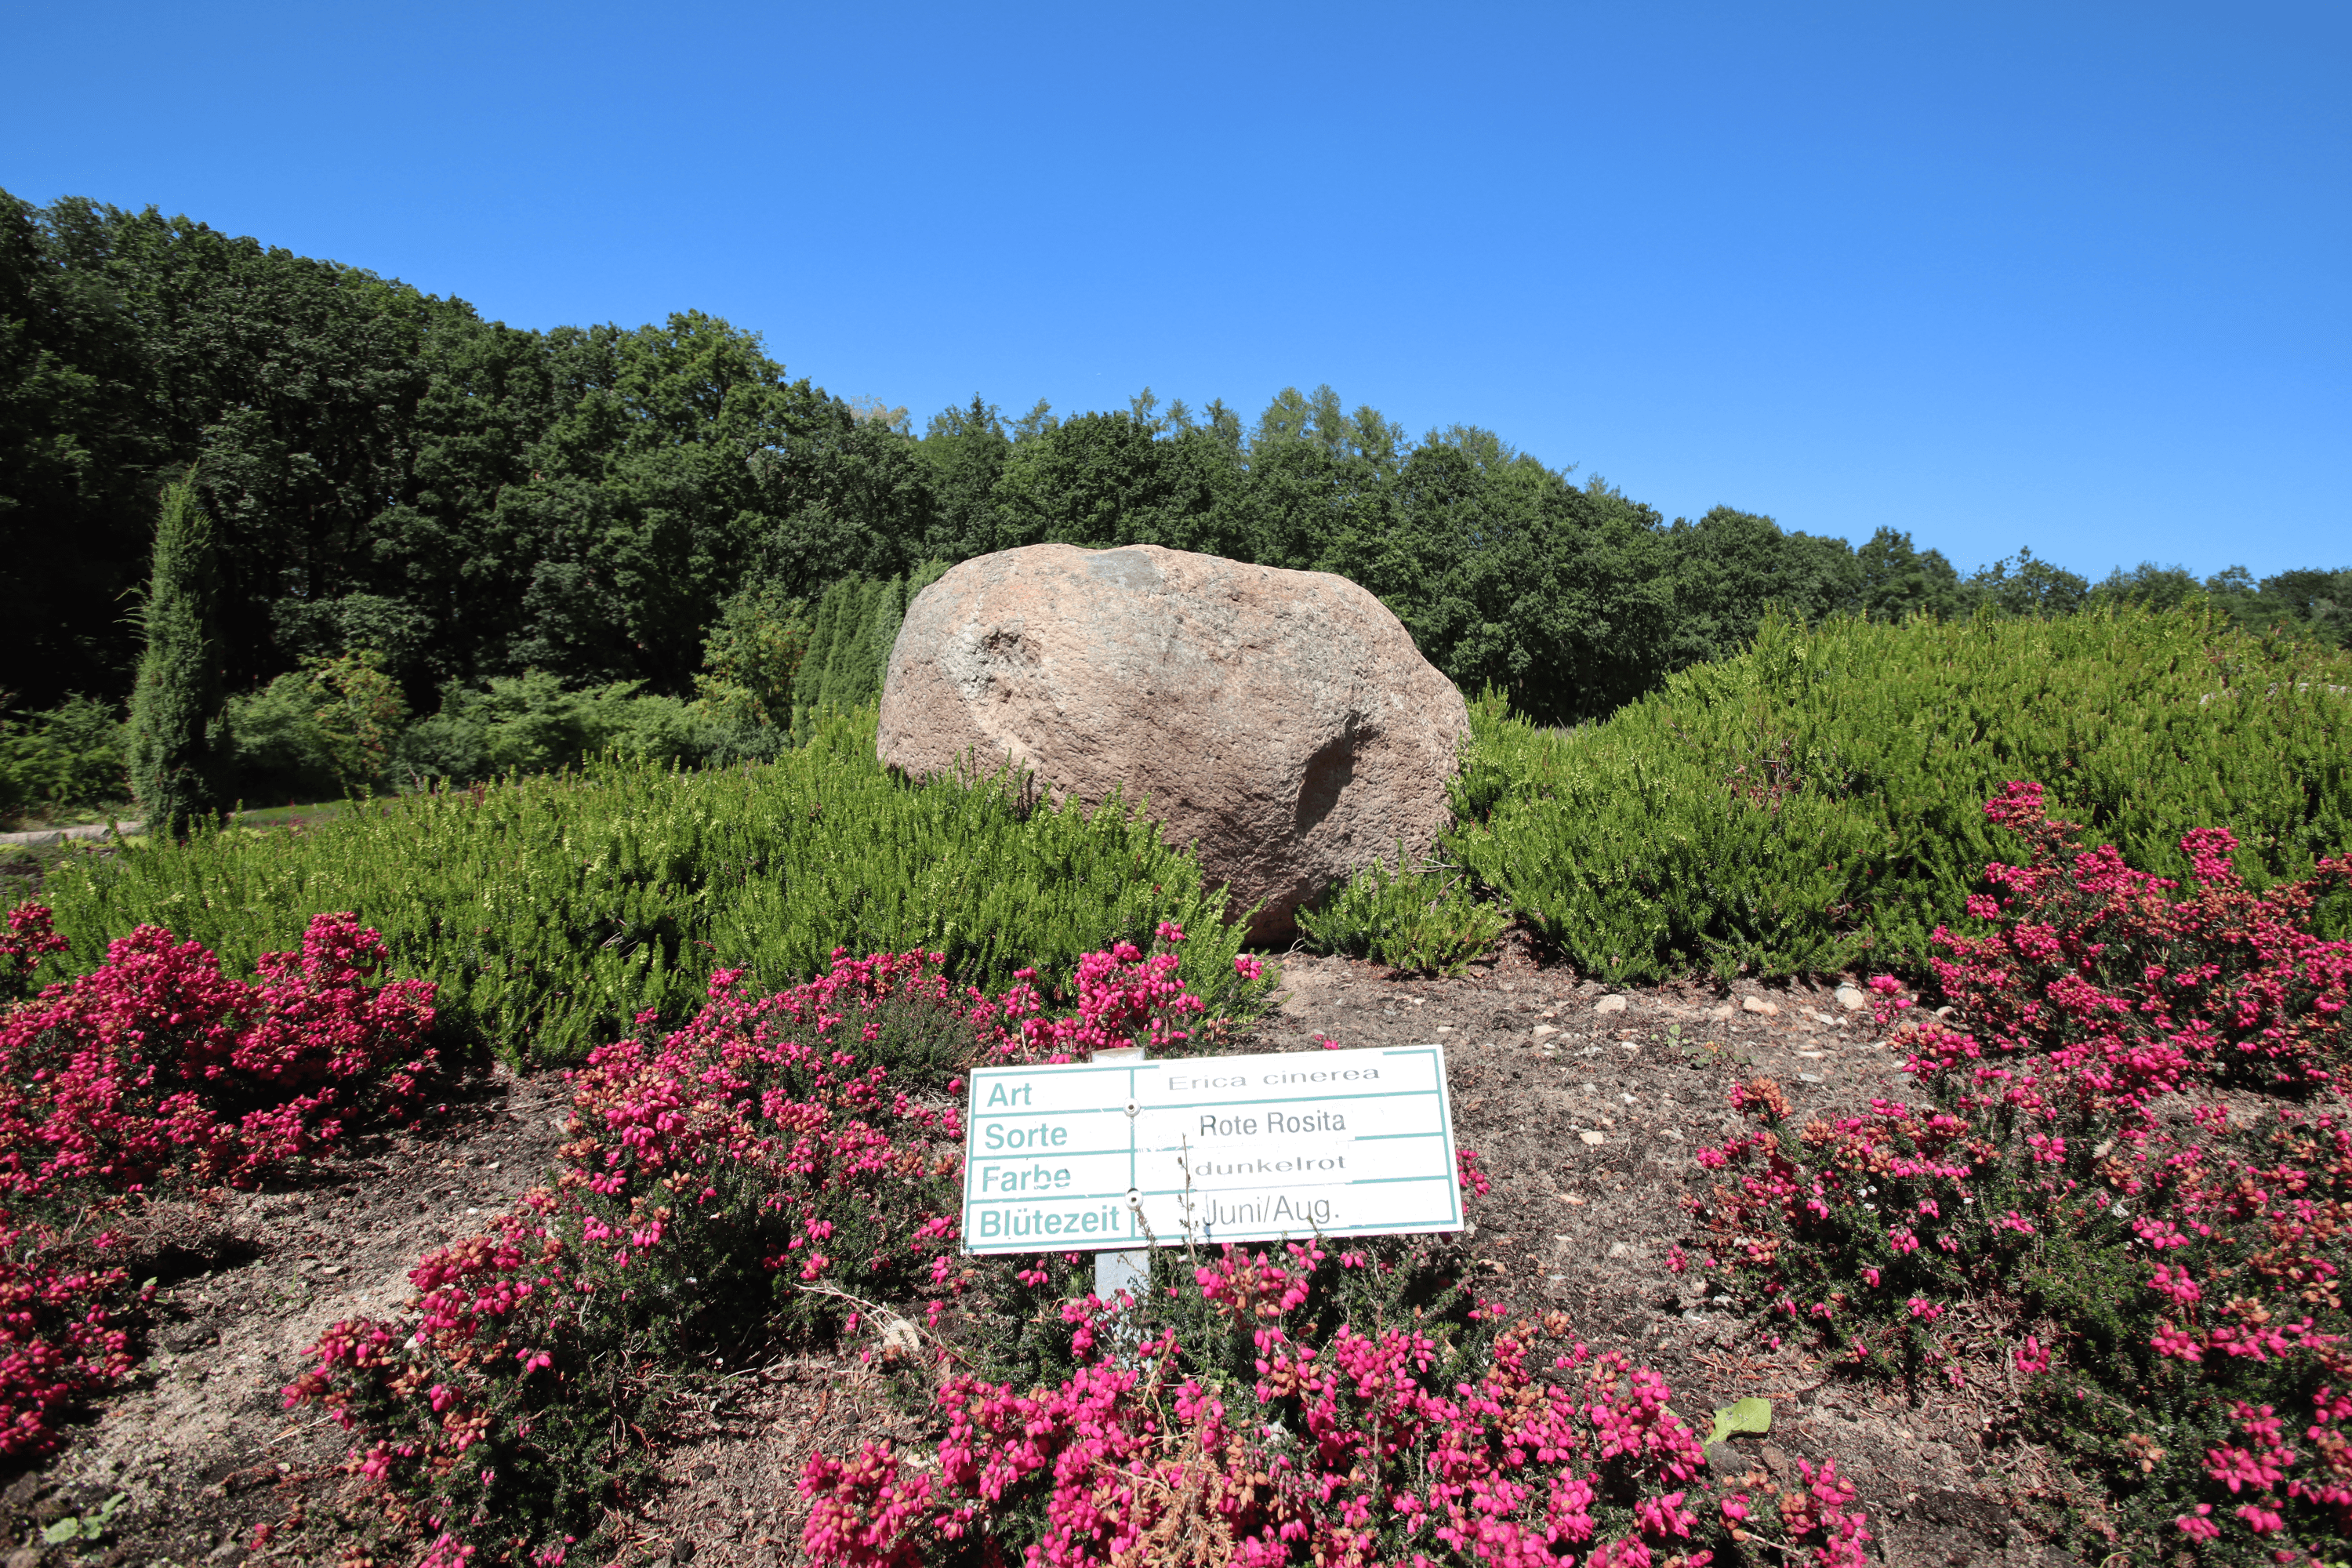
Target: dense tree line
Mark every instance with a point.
(386, 472)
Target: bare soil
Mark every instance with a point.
(1586, 1120)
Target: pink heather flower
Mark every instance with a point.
(2031, 1357)
(2259, 1520)
(2197, 1524)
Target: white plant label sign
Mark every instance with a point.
(1113, 1156)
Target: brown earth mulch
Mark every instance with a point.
(1586, 1120)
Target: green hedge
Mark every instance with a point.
(552, 909)
(1817, 802)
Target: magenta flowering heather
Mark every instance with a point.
(1350, 1449)
(762, 1169)
(154, 1069)
(157, 1058)
(2134, 1147)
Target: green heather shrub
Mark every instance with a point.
(1815, 802)
(551, 911)
(1421, 916)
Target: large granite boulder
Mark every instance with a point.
(1280, 722)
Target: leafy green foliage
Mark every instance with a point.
(1420, 916)
(338, 729)
(69, 756)
(2304, 603)
(80, 448)
(752, 656)
(551, 910)
(531, 723)
(277, 752)
(359, 712)
(1751, 1414)
(1815, 801)
(91, 1526)
(176, 745)
(965, 451)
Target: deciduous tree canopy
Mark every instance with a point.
(388, 472)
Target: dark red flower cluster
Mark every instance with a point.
(60, 1334)
(753, 1169)
(29, 938)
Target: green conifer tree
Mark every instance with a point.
(836, 612)
(177, 747)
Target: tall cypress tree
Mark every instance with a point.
(176, 741)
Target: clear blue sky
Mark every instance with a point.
(2066, 276)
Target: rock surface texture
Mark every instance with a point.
(1281, 722)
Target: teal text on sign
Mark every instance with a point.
(1092, 1156)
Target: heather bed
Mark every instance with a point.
(2109, 1208)
(2134, 1110)
(771, 1182)
(2120, 1191)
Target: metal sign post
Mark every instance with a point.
(1127, 1270)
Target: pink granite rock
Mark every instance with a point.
(1282, 722)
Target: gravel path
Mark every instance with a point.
(54, 834)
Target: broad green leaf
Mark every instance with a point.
(1741, 1416)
